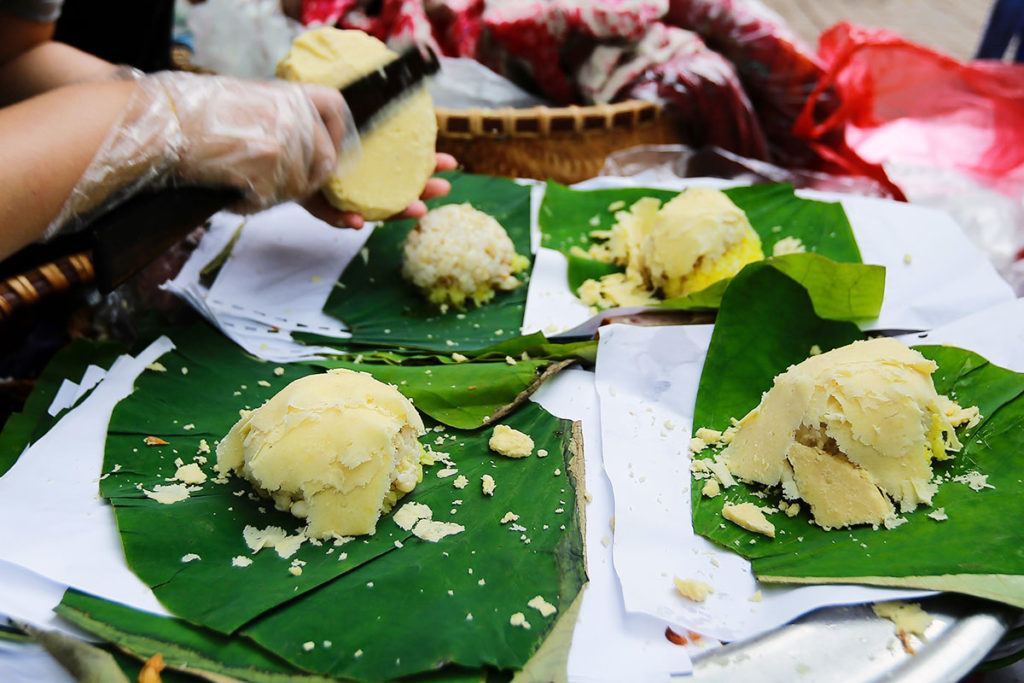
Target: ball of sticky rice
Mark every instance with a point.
(697, 238)
(398, 153)
(852, 432)
(336, 449)
(458, 254)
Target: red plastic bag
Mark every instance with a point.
(902, 102)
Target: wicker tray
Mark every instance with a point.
(566, 144)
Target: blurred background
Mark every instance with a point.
(951, 26)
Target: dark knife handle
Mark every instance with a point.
(132, 234)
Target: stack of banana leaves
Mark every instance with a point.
(499, 599)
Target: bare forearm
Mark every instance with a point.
(47, 66)
(46, 143)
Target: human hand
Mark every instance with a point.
(273, 140)
(318, 205)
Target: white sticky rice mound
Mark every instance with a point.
(458, 253)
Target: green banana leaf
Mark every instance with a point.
(193, 653)
(567, 217)
(767, 323)
(459, 395)
(182, 645)
(207, 381)
(535, 346)
(382, 309)
(467, 589)
(469, 395)
(83, 661)
(28, 425)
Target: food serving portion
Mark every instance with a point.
(336, 449)
(694, 240)
(457, 255)
(850, 432)
(398, 154)
(929, 270)
(906, 460)
(628, 246)
(381, 308)
(463, 548)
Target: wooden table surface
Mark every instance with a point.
(950, 26)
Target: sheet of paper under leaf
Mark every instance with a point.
(380, 600)
(567, 217)
(381, 308)
(28, 425)
(767, 323)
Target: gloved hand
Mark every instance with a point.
(272, 139)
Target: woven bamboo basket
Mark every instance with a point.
(566, 144)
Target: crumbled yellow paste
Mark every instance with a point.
(190, 474)
(907, 617)
(334, 448)
(696, 239)
(487, 485)
(545, 608)
(510, 442)
(750, 517)
(696, 591)
(168, 494)
(852, 432)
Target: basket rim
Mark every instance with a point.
(543, 121)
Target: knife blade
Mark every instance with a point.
(128, 236)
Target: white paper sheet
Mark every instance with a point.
(65, 531)
(276, 281)
(647, 380)
(608, 644)
(996, 333)
(70, 392)
(283, 267)
(934, 273)
(30, 598)
(30, 663)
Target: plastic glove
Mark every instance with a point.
(273, 140)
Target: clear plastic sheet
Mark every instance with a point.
(682, 161)
(239, 37)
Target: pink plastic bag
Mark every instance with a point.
(902, 102)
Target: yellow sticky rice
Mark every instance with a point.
(696, 239)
